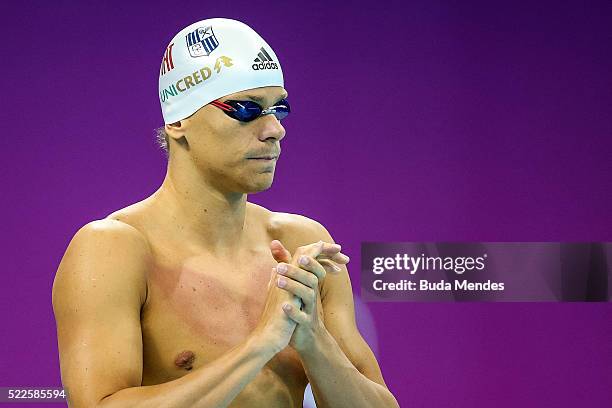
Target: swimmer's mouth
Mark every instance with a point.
(263, 158)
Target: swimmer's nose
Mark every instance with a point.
(271, 128)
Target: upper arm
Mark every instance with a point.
(98, 291)
(338, 306)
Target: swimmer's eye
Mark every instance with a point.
(246, 111)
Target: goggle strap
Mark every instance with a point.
(222, 105)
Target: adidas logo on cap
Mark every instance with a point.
(264, 61)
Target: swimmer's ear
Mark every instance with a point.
(175, 130)
(279, 252)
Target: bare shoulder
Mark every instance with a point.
(134, 215)
(105, 246)
(98, 292)
(295, 230)
(109, 233)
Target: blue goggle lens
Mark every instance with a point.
(246, 111)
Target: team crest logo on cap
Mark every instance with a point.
(201, 42)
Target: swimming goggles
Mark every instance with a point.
(246, 111)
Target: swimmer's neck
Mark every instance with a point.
(201, 214)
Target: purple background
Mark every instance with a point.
(424, 121)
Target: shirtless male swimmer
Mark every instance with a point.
(195, 297)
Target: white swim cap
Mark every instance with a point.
(210, 59)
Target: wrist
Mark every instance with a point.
(318, 340)
(260, 344)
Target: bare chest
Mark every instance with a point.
(199, 307)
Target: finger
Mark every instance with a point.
(313, 266)
(329, 266)
(304, 276)
(338, 258)
(305, 293)
(296, 315)
(279, 252)
(319, 248)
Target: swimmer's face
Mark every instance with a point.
(231, 154)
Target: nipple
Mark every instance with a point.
(185, 360)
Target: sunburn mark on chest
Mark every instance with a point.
(220, 303)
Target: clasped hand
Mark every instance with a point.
(301, 275)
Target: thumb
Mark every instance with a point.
(279, 252)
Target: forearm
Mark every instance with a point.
(337, 383)
(211, 386)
